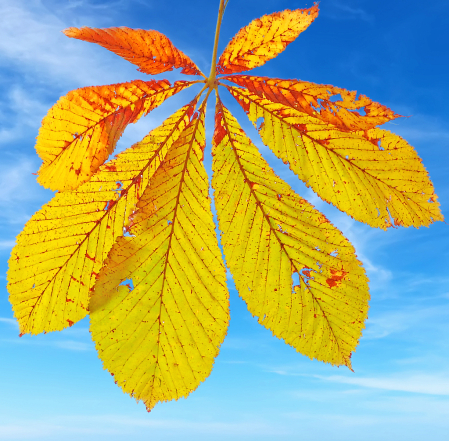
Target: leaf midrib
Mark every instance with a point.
(123, 192)
(273, 229)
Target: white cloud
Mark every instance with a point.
(17, 181)
(31, 38)
(26, 111)
(383, 324)
(72, 345)
(11, 322)
(22, 431)
(128, 426)
(415, 383)
(345, 12)
(6, 244)
(69, 345)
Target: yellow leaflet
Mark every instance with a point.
(159, 337)
(264, 38)
(373, 175)
(269, 234)
(82, 129)
(63, 246)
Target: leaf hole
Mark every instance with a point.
(259, 122)
(335, 98)
(118, 185)
(129, 283)
(333, 253)
(295, 279)
(169, 222)
(319, 104)
(282, 230)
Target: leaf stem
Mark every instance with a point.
(212, 75)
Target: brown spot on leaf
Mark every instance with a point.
(306, 273)
(336, 277)
(110, 168)
(322, 219)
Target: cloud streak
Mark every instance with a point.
(419, 383)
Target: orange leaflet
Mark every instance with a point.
(264, 38)
(319, 100)
(82, 129)
(152, 51)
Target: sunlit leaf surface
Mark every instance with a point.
(150, 50)
(373, 175)
(263, 39)
(82, 129)
(269, 234)
(63, 246)
(132, 242)
(160, 336)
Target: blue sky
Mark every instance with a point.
(53, 386)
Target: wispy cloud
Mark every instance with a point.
(13, 180)
(23, 110)
(69, 345)
(128, 426)
(6, 244)
(19, 193)
(342, 11)
(11, 322)
(416, 383)
(383, 324)
(72, 345)
(41, 46)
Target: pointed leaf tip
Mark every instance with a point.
(372, 174)
(270, 235)
(160, 338)
(61, 250)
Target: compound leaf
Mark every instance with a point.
(160, 336)
(62, 248)
(263, 39)
(82, 129)
(270, 233)
(373, 175)
(150, 50)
